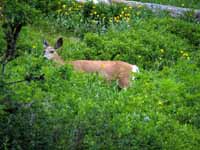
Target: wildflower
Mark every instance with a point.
(130, 7)
(182, 5)
(64, 6)
(160, 103)
(181, 52)
(185, 54)
(125, 8)
(127, 19)
(122, 12)
(162, 50)
(139, 6)
(33, 46)
(95, 12)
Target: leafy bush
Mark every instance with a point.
(89, 114)
(87, 17)
(150, 49)
(43, 106)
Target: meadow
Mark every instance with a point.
(66, 109)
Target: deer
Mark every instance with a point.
(119, 71)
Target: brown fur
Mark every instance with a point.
(111, 70)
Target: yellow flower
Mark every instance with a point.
(182, 5)
(160, 103)
(127, 15)
(125, 8)
(130, 7)
(64, 6)
(95, 12)
(139, 6)
(185, 55)
(33, 46)
(162, 50)
(181, 52)
(122, 12)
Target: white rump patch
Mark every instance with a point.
(135, 69)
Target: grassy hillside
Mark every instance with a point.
(73, 110)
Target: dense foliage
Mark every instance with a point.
(55, 107)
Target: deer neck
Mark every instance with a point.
(58, 60)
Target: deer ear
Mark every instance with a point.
(45, 43)
(59, 43)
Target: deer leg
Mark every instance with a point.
(123, 82)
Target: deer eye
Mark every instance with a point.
(51, 51)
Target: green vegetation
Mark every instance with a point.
(180, 3)
(55, 107)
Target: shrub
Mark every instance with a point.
(87, 17)
(150, 49)
(65, 109)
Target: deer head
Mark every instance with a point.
(49, 51)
